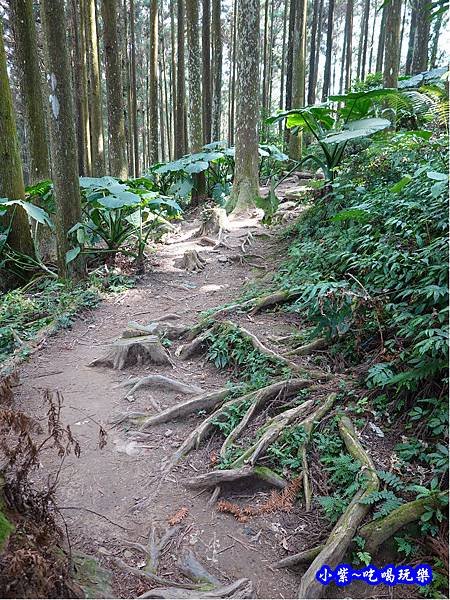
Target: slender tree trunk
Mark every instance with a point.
(411, 39)
(283, 54)
(348, 47)
(165, 101)
(313, 58)
(290, 53)
(63, 148)
(78, 86)
(133, 91)
(11, 174)
(114, 90)
(173, 79)
(270, 58)
(402, 31)
(318, 46)
(265, 64)
(327, 69)
(392, 44)
(372, 37)
(27, 57)
(233, 77)
(362, 53)
(86, 127)
(381, 41)
(298, 73)
(435, 45)
(179, 133)
(206, 76)
(153, 85)
(217, 68)
(246, 184)
(421, 39)
(95, 104)
(195, 90)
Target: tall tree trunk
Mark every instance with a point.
(290, 53)
(348, 47)
(233, 78)
(217, 68)
(298, 73)
(421, 38)
(318, 46)
(283, 54)
(363, 41)
(327, 69)
(165, 99)
(179, 132)
(153, 85)
(114, 90)
(78, 86)
(313, 58)
(133, 91)
(411, 39)
(392, 44)
(11, 174)
(86, 128)
(95, 104)
(435, 45)
(173, 81)
(265, 64)
(27, 56)
(195, 90)
(246, 184)
(63, 148)
(381, 41)
(206, 76)
(372, 37)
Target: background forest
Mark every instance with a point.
(323, 124)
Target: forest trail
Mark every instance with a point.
(119, 480)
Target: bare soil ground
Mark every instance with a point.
(113, 495)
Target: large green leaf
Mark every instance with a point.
(371, 123)
(361, 128)
(36, 213)
(196, 167)
(119, 200)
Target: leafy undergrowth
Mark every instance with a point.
(50, 304)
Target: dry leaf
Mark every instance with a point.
(181, 514)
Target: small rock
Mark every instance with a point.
(222, 259)
(168, 432)
(127, 554)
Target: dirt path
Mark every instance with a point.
(118, 481)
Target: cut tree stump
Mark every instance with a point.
(129, 351)
(214, 222)
(193, 262)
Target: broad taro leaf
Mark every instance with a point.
(356, 129)
(196, 167)
(35, 212)
(119, 200)
(97, 182)
(165, 202)
(72, 254)
(182, 187)
(176, 165)
(220, 145)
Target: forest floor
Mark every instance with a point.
(115, 494)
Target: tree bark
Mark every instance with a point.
(217, 68)
(435, 45)
(95, 104)
(206, 76)
(313, 58)
(11, 175)
(114, 89)
(232, 86)
(153, 85)
(265, 65)
(179, 131)
(298, 73)
(63, 148)
(381, 41)
(84, 114)
(348, 47)
(27, 56)
(195, 90)
(362, 52)
(246, 184)
(133, 92)
(283, 54)
(421, 38)
(392, 44)
(327, 69)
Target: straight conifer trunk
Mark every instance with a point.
(217, 68)
(422, 36)
(246, 184)
(179, 131)
(327, 70)
(298, 73)
(63, 148)
(114, 88)
(27, 59)
(206, 76)
(153, 85)
(392, 44)
(11, 175)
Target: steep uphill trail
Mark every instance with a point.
(108, 496)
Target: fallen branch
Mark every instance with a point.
(345, 529)
(242, 588)
(160, 328)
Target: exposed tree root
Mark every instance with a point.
(160, 381)
(214, 222)
(204, 402)
(160, 328)
(258, 399)
(345, 529)
(375, 533)
(242, 588)
(134, 350)
(192, 261)
(274, 427)
(289, 387)
(318, 344)
(217, 478)
(195, 346)
(279, 297)
(190, 567)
